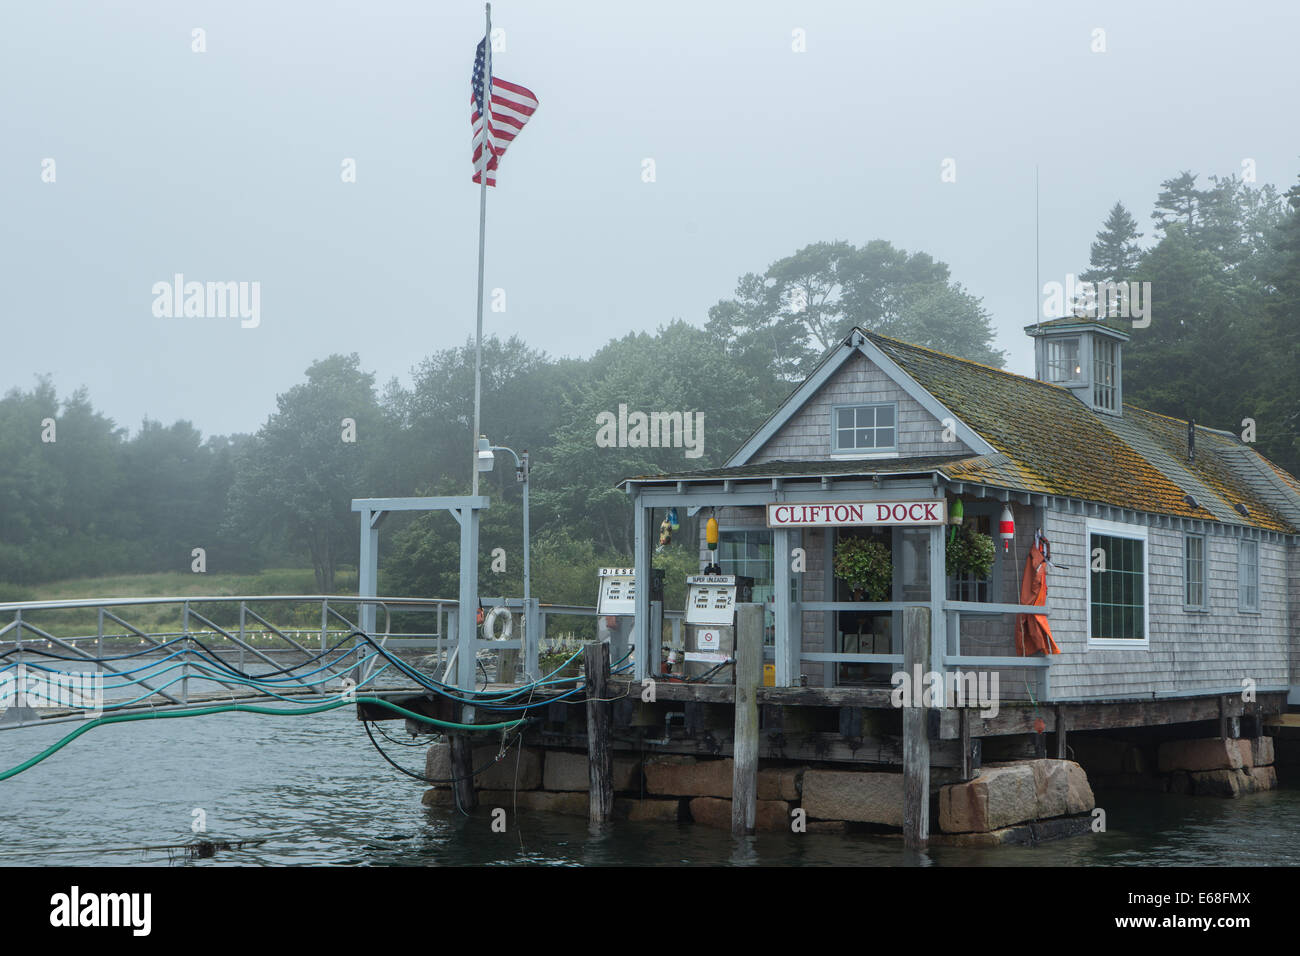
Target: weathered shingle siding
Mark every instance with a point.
(1190, 652)
(1293, 602)
(807, 435)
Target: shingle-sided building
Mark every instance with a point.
(1175, 551)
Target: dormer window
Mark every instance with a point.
(864, 429)
(1061, 360)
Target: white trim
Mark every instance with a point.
(836, 428)
(845, 456)
(1117, 529)
(1204, 606)
(1259, 603)
(795, 401)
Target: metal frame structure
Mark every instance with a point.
(465, 509)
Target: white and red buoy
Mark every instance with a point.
(1006, 528)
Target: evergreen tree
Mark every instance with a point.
(1115, 255)
(1178, 203)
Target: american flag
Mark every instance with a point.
(511, 107)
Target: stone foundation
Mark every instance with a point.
(1208, 766)
(1007, 803)
(1010, 793)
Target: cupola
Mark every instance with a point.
(1084, 355)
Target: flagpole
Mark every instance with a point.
(486, 158)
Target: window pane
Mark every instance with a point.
(1118, 593)
(864, 427)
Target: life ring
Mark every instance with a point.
(489, 624)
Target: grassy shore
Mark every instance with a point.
(159, 618)
(178, 584)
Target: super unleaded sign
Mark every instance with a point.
(857, 513)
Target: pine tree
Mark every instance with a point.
(1178, 202)
(1115, 254)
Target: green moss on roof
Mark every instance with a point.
(1049, 442)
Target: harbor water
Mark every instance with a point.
(317, 793)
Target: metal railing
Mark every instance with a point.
(260, 630)
(953, 656)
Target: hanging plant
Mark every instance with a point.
(970, 552)
(866, 566)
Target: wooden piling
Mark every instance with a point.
(749, 676)
(600, 756)
(916, 739)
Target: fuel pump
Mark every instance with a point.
(711, 622)
(616, 606)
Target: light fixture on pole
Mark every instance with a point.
(485, 459)
(486, 448)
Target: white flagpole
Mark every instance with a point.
(485, 157)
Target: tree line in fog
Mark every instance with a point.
(1222, 257)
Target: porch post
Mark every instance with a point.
(641, 617)
(781, 607)
(368, 572)
(938, 593)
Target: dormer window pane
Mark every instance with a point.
(1062, 360)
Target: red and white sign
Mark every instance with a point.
(840, 513)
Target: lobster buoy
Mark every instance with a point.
(956, 514)
(711, 534)
(1006, 528)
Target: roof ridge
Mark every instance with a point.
(956, 358)
(1184, 421)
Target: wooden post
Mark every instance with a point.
(749, 676)
(916, 739)
(1061, 752)
(963, 718)
(600, 758)
(462, 764)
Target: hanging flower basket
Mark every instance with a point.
(866, 566)
(970, 552)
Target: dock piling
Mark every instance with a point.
(916, 739)
(600, 757)
(749, 675)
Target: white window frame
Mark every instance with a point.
(1242, 607)
(860, 453)
(1053, 363)
(1117, 529)
(1204, 605)
(1105, 374)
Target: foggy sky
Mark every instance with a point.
(225, 165)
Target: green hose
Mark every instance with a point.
(248, 709)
